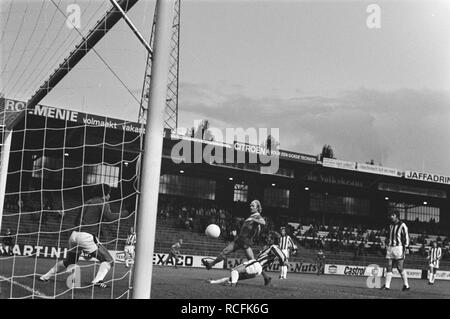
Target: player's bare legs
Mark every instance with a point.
(249, 253)
(227, 250)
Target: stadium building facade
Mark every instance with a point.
(56, 148)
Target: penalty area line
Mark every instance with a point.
(27, 288)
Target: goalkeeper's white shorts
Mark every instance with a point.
(252, 267)
(84, 241)
(395, 252)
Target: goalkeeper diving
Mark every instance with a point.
(254, 267)
(85, 236)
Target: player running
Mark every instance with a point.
(249, 230)
(253, 267)
(84, 239)
(396, 250)
(286, 244)
(129, 248)
(434, 256)
(320, 262)
(174, 253)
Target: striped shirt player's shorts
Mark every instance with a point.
(84, 241)
(286, 252)
(252, 267)
(395, 252)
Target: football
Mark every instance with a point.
(212, 231)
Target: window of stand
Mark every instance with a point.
(276, 197)
(187, 186)
(420, 213)
(240, 193)
(102, 173)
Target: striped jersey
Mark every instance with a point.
(285, 242)
(268, 256)
(131, 239)
(398, 235)
(435, 254)
(176, 248)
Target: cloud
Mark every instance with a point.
(406, 129)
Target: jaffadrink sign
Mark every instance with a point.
(427, 177)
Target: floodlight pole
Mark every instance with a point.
(151, 166)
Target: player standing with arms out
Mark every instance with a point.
(396, 250)
(85, 236)
(320, 262)
(249, 230)
(129, 248)
(253, 267)
(434, 256)
(286, 244)
(174, 253)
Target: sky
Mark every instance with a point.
(313, 69)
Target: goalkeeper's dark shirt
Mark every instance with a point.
(93, 213)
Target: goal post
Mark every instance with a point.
(4, 160)
(153, 143)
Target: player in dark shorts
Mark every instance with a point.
(249, 231)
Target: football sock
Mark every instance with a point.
(219, 281)
(234, 276)
(388, 280)
(102, 271)
(217, 260)
(405, 278)
(283, 271)
(432, 276)
(56, 269)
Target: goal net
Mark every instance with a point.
(56, 154)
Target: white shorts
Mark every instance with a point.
(254, 269)
(395, 252)
(434, 264)
(84, 241)
(129, 249)
(286, 252)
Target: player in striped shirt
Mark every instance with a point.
(129, 248)
(253, 267)
(434, 256)
(286, 244)
(396, 250)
